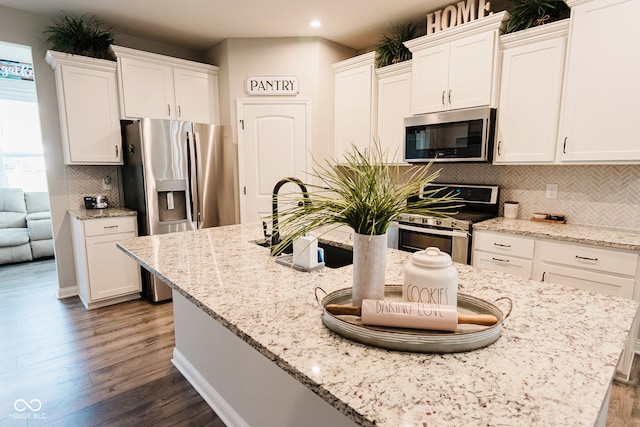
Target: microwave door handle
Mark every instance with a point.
(193, 178)
(435, 231)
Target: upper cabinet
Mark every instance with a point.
(530, 91)
(394, 104)
(455, 68)
(162, 87)
(355, 98)
(601, 91)
(88, 106)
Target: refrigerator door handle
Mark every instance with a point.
(192, 145)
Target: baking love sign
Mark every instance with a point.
(457, 14)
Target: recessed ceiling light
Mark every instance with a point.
(315, 23)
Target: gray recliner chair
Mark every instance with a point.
(14, 234)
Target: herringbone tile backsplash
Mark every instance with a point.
(87, 181)
(605, 195)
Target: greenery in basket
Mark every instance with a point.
(365, 192)
(525, 14)
(80, 36)
(391, 48)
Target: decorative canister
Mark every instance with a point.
(430, 277)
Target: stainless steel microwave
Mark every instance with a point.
(451, 136)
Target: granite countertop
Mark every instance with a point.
(83, 214)
(552, 365)
(618, 238)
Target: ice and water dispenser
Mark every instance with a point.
(172, 200)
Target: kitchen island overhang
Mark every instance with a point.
(553, 364)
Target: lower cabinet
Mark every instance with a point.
(591, 268)
(105, 275)
(503, 252)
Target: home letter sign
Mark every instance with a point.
(272, 85)
(452, 15)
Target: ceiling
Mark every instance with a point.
(200, 24)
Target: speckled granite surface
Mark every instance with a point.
(588, 234)
(83, 214)
(552, 365)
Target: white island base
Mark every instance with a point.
(241, 385)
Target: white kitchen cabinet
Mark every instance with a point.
(355, 100)
(455, 68)
(105, 275)
(160, 87)
(394, 104)
(530, 91)
(605, 271)
(503, 252)
(601, 92)
(87, 93)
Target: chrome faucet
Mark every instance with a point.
(275, 234)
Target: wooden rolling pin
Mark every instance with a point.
(413, 315)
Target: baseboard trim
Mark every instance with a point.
(67, 292)
(220, 406)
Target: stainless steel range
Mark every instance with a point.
(451, 235)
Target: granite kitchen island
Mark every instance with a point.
(250, 339)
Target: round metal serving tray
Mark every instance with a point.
(465, 338)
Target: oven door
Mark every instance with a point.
(453, 242)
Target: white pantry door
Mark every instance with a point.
(274, 143)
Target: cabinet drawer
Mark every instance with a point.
(101, 226)
(501, 243)
(503, 263)
(588, 257)
(588, 280)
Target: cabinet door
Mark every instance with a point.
(353, 108)
(394, 104)
(607, 284)
(111, 271)
(91, 116)
(505, 264)
(147, 89)
(528, 110)
(602, 94)
(471, 71)
(430, 79)
(193, 92)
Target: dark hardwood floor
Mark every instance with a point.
(112, 366)
(104, 367)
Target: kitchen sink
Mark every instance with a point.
(334, 256)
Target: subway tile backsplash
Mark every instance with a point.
(605, 195)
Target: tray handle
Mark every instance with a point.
(510, 306)
(315, 291)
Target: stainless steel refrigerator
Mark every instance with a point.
(178, 176)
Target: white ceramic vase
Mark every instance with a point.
(369, 266)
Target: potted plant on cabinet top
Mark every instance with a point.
(391, 48)
(80, 36)
(366, 193)
(525, 14)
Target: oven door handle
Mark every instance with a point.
(422, 230)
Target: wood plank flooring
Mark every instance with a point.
(104, 367)
(111, 366)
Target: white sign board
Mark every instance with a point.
(272, 85)
(458, 14)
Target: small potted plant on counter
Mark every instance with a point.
(365, 192)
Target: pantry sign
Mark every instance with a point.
(272, 85)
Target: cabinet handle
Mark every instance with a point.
(168, 110)
(449, 96)
(499, 259)
(179, 111)
(117, 153)
(564, 145)
(586, 258)
(110, 226)
(543, 273)
(499, 144)
(502, 245)
(443, 96)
